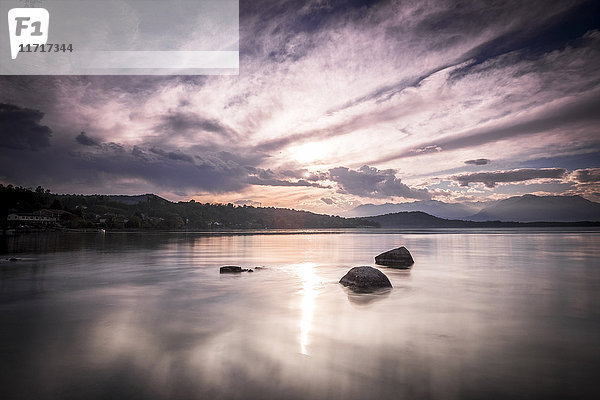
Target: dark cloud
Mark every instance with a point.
(305, 174)
(110, 164)
(372, 182)
(479, 161)
(169, 169)
(290, 18)
(86, 140)
(490, 179)
(589, 175)
(173, 155)
(253, 180)
(266, 177)
(185, 123)
(20, 128)
(548, 32)
(239, 157)
(586, 183)
(327, 200)
(453, 18)
(586, 157)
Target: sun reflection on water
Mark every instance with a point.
(310, 284)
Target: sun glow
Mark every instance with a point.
(308, 152)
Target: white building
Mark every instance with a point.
(32, 218)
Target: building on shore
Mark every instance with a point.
(43, 217)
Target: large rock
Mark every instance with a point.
(396, 258)
(231, 269)
(365, 279)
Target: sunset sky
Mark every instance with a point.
(336, 104)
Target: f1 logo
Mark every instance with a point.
(27, 26)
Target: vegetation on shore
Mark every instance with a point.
(153, 212)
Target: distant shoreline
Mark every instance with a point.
(23, 210)
(505, 228)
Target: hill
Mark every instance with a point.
(531, 208)
(135, 199)
(153, 212)
(418, 220)
(432, 207)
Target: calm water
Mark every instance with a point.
(486, 314)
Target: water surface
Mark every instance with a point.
(485, 314)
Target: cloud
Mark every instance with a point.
(86, 140)
(268, 181)
(588, 175)
(186, 123)
(255, 180)
(20, 128)
(586, 183)
(267, 177)
(327, 200)
(173, 155)
(173, 170)
(247, 202)
(304, 173)
(432, 148)
(372, 182)
(564, 23)
(490, 179)
(479, 161)
(131, 168)
(549, 118)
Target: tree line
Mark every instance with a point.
(149, 211)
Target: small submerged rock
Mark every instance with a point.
(365, 279)
(232, 269)
(396, 258)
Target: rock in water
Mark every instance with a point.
(396, 258)
(231, 269)
(365, 279)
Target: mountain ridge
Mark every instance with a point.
(421, 220)
(532, 208)
(526, 208)
(433, 207)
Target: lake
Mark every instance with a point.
(511, 314)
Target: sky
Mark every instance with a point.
(336, 104)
